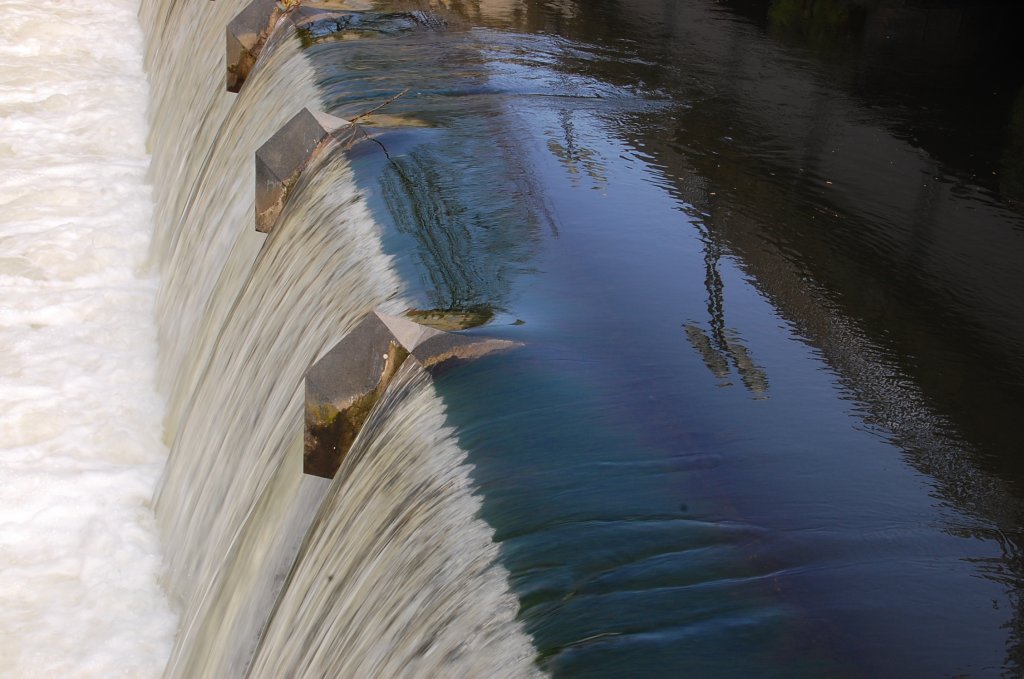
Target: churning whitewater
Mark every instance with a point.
(80, 419)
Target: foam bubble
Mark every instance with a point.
(80, 422)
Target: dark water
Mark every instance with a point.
(766, 261)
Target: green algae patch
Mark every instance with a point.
(452, 319)
(332, 428)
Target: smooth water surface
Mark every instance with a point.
(764, 258)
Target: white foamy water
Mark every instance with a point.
(80, 421)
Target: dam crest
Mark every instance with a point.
(314, 501)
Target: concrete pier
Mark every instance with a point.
(343, 386)
(246, 35)
(281, 160)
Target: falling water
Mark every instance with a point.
(317, 275)
(242, 317)
(80, 447)
(206, 239)
(397, 553)
(635, 524)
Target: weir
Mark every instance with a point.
(759, 418)
(344, 387)
(279, 572)
(281, 160)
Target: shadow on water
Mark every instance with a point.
(924, 326)
(800, 186)
(449, 186)
(751, 188)
(426, 194)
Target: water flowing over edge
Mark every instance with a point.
(398, 553)
(242, 319)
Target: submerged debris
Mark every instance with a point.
(452, 319)
(317, 24)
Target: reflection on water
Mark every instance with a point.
(723, 343)
(822, 191)
(721, 346)
(578, 160)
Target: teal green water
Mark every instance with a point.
(765, 265)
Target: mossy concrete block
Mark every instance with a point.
(343, 387)
(281, 160)
(341, 390)
(246, 35)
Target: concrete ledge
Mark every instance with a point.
(248, 32)
(343, 387)
(246, 35)
(281, 160)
